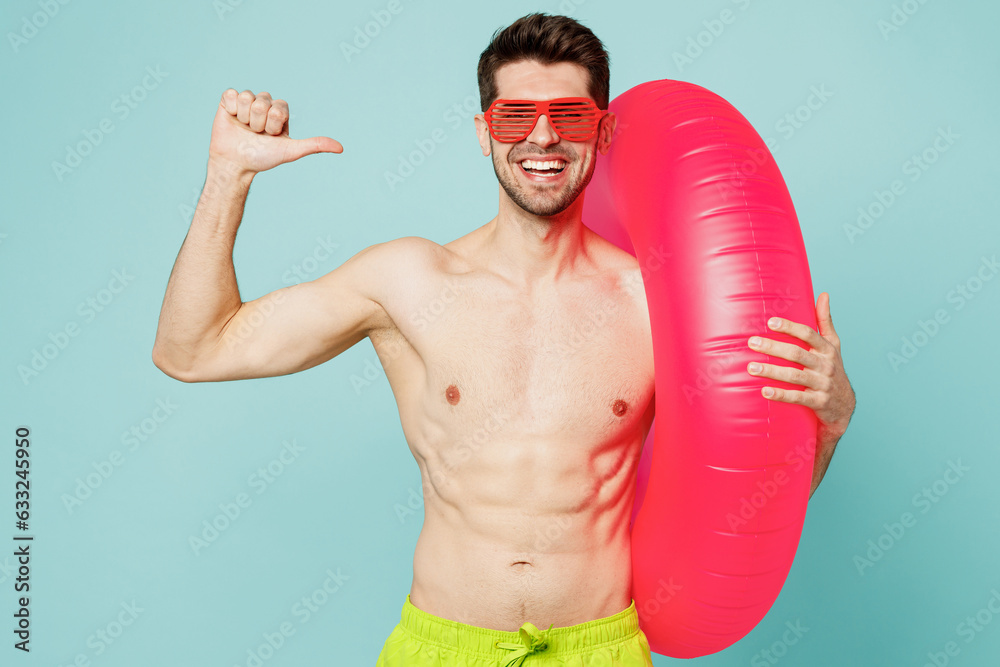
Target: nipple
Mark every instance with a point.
(619, 407)
(451, 393)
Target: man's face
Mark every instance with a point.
(537, 194)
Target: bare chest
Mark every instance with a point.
(574, 366)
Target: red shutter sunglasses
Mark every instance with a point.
(573, 118)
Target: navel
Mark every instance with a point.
(451, 393)
(619, 407)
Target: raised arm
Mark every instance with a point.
(205, 331)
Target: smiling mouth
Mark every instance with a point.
(543, 168)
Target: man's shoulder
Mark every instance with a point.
(410, 251)
(414, 260)
(610, 257)
(408, 245)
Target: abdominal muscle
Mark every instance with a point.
(546, 543)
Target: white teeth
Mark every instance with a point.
(552, 164)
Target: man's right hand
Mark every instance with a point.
(250, 133)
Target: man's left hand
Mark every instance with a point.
(827, 389)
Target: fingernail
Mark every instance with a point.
(768, 392)
(754, 367)
(774, 322)
(755, 341)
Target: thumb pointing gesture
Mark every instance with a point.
(251, 132)
(297, 148)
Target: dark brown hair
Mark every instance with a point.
(546, 39)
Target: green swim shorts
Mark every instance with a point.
(424, 640)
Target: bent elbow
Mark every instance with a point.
(169, 369)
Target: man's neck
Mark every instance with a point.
(537, 251)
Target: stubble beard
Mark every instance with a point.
(541, 202)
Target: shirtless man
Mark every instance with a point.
(527, 444)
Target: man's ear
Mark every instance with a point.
(605, 132)
(483, 132)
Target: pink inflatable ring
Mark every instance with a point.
(719, 504)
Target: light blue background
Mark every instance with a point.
(334, 507)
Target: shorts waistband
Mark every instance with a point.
(500, 645)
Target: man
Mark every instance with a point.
(527, 445)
